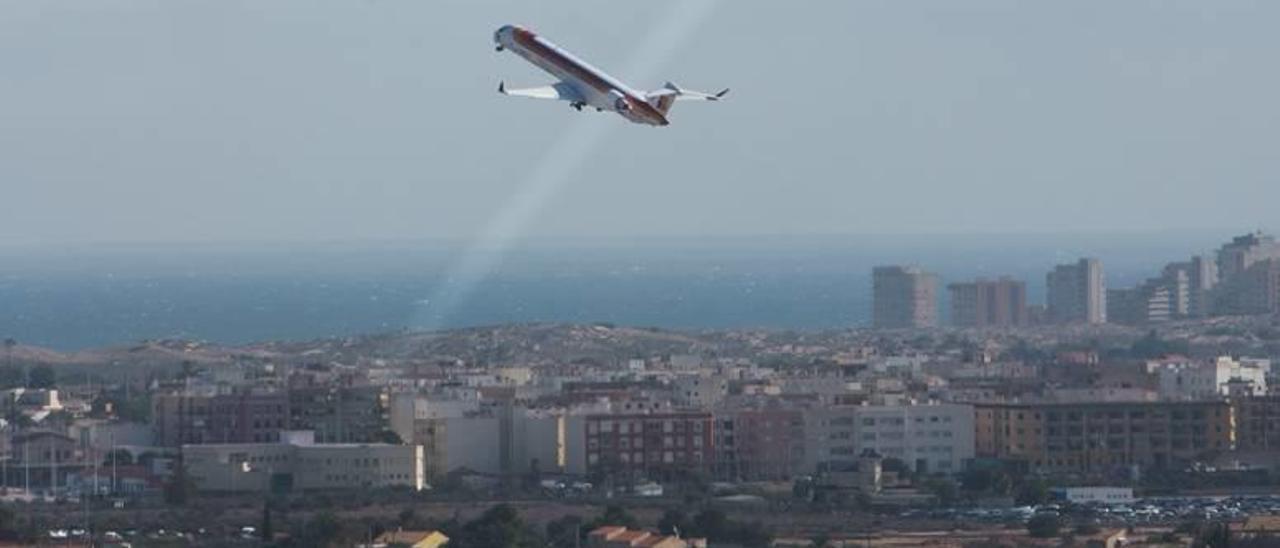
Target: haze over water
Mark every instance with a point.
(77, 297)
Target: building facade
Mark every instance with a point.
(903, 297)
(1257, 423)
(929, 438)
(654, 446)
(1101, 437)
(240, 416)
(296, 463)
(1077, 293)
(988, 303)
(1193, 380)
(760, 444)
(340, 414)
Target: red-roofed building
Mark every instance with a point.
(613, 536)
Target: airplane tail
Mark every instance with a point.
(663, 101)
(664, 98)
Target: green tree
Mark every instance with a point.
(673, 521)
(1044, 525)
(986, 481)
(119, 456)
(265, 530)
(1032, 493)
(179, 487)
(1216, 535)
(322, 529)
(42, 376)
(8, 524)
(499, 527)
(11, 377)
(942, 488)
(566, 532)
(712, 524)
(753, 535)
(389, 436)
(614, 515)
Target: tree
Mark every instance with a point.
(179, 487)
(499, 527)
(986, 480)
(613, 515)
(8, 524)
(408, 518)
(1216, 535)
(322, 529)
(897, 466)
(1044, 525)
(1032, 493)
(267, 532)
(119, 456)
(565, 532)
(1087, 528)
(11, 377)
(712, 524)
(674, 521)
(753, 535)
(42, 376)
(942, 488)
(9, 344)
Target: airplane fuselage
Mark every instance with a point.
(597, 88)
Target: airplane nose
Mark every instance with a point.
(501, 36)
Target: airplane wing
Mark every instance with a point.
(679, 94)
(559, 90)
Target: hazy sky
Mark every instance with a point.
(373, 119)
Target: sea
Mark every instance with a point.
(71, 297)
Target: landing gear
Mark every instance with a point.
(499, 49)
(577, 106)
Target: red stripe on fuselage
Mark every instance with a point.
(529, 41)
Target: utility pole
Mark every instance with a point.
(53, 467)
(115, 457)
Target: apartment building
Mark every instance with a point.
(903, 297)
(1077, 293)
(930, 438)
(1097, 437)
(759, 443)
(241, 415)
(652, 446)
(988, 303)
(339, 414)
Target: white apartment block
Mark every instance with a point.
(930, 438)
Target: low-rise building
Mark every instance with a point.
(410, 539)
(614, 536)
(1188, 380)
(1094, 495)
(297, 463)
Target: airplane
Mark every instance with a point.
(583, 85)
